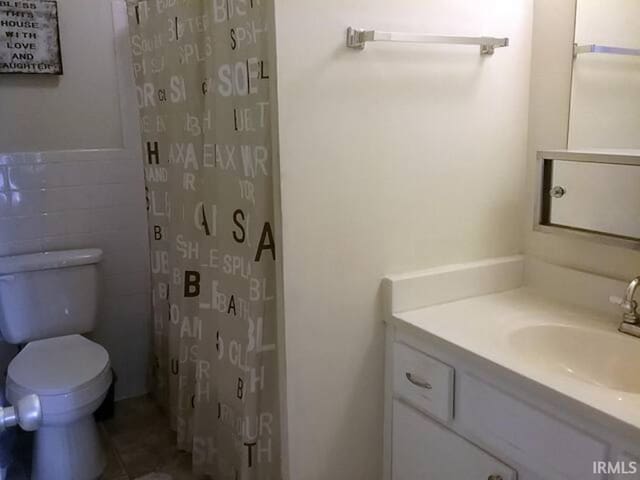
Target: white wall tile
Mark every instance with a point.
(67, 242)
(26, 203)
(67, 174)
(113, 194)
(5, 204)
(117, 171)
(59, 199)
(115, 218)
(21, 246)
(11, 158)
(23, 177)
(66, 223)
(13, 229)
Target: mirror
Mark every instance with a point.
(605, 97)
(591, 195)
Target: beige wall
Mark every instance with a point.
(548, 129)
(77, 110)
(397, 158)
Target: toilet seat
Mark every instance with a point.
(67, 373)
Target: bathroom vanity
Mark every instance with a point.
(509, 369)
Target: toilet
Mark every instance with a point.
(47, 301)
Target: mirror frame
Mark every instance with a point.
(542, 222)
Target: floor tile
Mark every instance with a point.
(115, 469)
(138, 441)
(145, 444)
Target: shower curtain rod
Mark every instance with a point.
(358, 38)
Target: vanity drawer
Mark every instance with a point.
(505, 424)
(423, 382)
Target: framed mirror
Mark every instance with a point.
(605, 97)
(592, 189)
(591, 195)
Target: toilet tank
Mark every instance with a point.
(51, 294)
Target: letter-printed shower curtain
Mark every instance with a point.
(202, 80)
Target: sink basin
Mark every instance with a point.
(598, 357)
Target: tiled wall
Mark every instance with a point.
(88, 198)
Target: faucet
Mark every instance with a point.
(630, 316)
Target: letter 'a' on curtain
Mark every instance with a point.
(202, 79)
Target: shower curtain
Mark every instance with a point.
(202, 78)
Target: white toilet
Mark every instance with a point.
(47, 300)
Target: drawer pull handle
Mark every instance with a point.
(495, 477)
(417, 382)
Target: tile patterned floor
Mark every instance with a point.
(139, 443)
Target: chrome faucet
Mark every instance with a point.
(630, 317)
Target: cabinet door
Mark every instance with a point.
(424, 450)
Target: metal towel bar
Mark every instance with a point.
(358, 39)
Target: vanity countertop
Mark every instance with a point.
(484, 327)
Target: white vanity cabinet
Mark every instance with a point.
(508, 368)
(422, 448)
(446, 419)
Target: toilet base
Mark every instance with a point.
(68, 452)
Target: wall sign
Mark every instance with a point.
(29, 37)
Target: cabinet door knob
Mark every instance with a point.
(422, 384)
(495, 477)
(557, 192)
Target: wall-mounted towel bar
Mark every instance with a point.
(358, 38)
(579, 49)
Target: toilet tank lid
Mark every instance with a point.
(49, 260)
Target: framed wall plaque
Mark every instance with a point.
(30, 37)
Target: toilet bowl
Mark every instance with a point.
(47, 301)
(72, 378)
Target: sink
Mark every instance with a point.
(599, 357)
